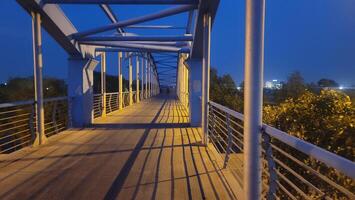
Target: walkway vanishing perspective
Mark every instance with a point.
(134, 143)
(141, 152)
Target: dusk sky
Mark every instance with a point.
(315, 37)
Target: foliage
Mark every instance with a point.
(293, 88)
(22, 88)
(327, 83)
(326, 120)
(111, 83)
(223, 90)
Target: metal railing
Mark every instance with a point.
(125, 96)
(291, 168)
(97, 105)
(112, 101)
(18, 122)
(134, 96)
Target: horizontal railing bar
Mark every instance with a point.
(16, 103)
(47, 100)
(26, 136)
(9, 135)
(313, 171)
(341, 164)
(227, 110)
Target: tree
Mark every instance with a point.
(223, 90)
(326, 120)
(293, 88)
(22, 88)
(327, 83)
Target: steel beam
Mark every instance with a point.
(253, 97)
(145, 18)
(140, 47)
(137, 38)
(125, 2)
(134, 50)
(154, 27)
(58, 25)
(111, 15)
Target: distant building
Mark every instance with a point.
(274, 84)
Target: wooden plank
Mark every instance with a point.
(170, 163)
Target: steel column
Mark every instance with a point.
(146, 78)
(137, 79)
(206, 73)
(149, 79)
(130, 81)
(253, 95)
(39, 137)
(142, 77)
(103, 83)
(120, 82)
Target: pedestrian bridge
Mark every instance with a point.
(143, 152)
(159, 136)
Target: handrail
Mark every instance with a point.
(28, 102)
(330, 159)
(18, 123)
(55, 99)
(16, 103)
(227, 110)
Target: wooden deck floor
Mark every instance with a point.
(145, 151)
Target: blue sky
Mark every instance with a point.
(315, 37)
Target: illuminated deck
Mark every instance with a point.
(146, 151)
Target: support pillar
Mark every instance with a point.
(253, 95)
(149, 80)
(103, 83)
(80, 90)
(39, 137)
(120, 82)
(142, 77)
(130, 81)
(137, 79)
(206, 74)
(195, 90)
(146, 78)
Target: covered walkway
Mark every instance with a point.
(146, 151)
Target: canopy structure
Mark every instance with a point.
(172, 37)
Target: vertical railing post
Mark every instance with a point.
(253, 92)
(40, 137)
(103, 83)
(130, 80)
(54, 113)
(70, 118)
(32, 121)
(120, 82)
(205, 73)
(229, 142)
(137, 79)
(271, 166)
